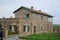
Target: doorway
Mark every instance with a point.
(34, 29)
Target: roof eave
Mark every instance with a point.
(32, 11)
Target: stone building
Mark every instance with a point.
(28, 21)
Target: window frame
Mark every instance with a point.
(24, 28)
(41, 17)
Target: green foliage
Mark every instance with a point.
(43, 36)
(0, 25)
(56, 26)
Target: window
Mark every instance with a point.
(41, 17)
(27, 15)
(49, 19)
(24, 28)
(28, 28)
(15, 28)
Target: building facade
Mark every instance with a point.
(28, 21)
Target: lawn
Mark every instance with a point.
(43, 36)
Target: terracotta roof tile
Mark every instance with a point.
(35, 11)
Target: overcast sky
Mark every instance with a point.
(51, 7)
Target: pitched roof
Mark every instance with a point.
(35, 11)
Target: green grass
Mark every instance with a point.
(43, 36)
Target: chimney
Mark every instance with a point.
(11, 17)
(31, 7)
(3, 17)
(39, 10)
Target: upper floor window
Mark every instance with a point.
(27, 15)
(41, 17)
(50, 19)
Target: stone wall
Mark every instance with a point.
(34, 20)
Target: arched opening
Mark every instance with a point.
(34, 29)
(13, 29)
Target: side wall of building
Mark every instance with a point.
(42, 25)
(24, 20)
